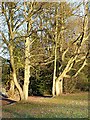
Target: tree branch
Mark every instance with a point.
(63, 55)
(47, 62)
(4, 39)
(83, 65)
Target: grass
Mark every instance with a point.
(65, 106)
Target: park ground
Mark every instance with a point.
(64, 106)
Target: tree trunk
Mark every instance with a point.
(27, 68)
(59, 87)
(0, 69)
(55, 59)
(14, 73)
(54, 74)
(62, 27)
(12, 88)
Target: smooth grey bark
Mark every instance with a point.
(55, 55)
(27, 68)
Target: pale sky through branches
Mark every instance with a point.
(3, 27)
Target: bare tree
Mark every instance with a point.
(76, 56)
(13, 24)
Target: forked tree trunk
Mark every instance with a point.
(14, 73)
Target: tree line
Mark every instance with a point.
(47, 45)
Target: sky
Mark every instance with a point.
(1, 22)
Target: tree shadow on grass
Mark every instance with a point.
(44, 96)
(5, 100)
(3, 95)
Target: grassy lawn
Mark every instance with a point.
(65, 106)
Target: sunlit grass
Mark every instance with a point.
(65, 106)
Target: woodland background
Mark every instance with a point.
(45, 48)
